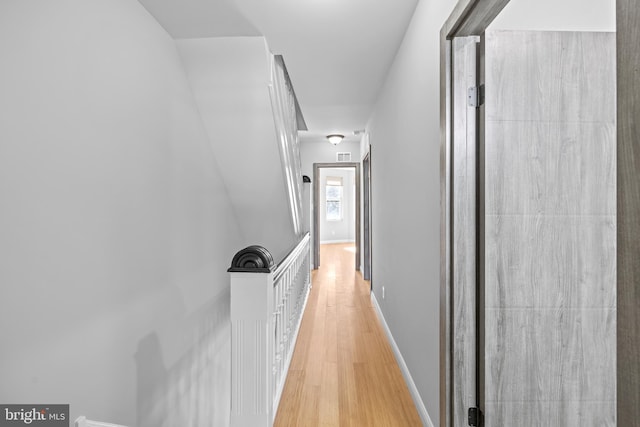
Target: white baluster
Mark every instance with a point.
(266, 311)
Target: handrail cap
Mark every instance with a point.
(252, 259)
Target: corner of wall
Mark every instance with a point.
(413, 390)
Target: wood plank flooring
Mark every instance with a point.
(343, 371)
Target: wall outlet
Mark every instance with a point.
(383, 292)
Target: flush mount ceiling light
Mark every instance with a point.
(335, 138)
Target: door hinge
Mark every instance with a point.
(475, 96)
(476, 418)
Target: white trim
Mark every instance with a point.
(415, 394)
(280, 389)
(328, 242)
(82, 421)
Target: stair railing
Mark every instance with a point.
(267, 304)
(288, 121)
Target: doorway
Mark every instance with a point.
(334, 209)
(528, 253)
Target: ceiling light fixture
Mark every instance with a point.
(335, 138)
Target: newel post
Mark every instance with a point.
(251, 338)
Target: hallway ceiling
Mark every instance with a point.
(337, 52)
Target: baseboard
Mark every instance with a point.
(328, 242)
(417, 400)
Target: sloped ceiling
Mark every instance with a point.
(337, 52)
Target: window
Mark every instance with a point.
(333, 194)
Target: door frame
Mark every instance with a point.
(471, 18)
(468, 18)
(628, 213)
(316, 208)
(366, 217)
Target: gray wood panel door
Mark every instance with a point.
(549, 229)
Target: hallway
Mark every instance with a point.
(343, 371)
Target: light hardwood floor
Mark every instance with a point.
(343, 371)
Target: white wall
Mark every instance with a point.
(404, 134)
(230, 78)
(115, 226)
(557, 15)
(343, 230)
(322, 152)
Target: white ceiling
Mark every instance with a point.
(337, 51)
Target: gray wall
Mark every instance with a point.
(115, 225)
(404, 134)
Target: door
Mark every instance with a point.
(549, 215)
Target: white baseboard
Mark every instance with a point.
(417, 400)
(328, 242)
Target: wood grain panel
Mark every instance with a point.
(343, 370)
(585, 368)
(464, 153)
(529, 414)
(543, 414)
(523, 77)
(569, 170)
(521, 170)
(553, 355)
(550, 261)
(566, 73)
(628, 73)
(577, 413)
(587, 72)
(550, 234)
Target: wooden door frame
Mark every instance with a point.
(468, 18)
(471, 18)
(628, 213)
(366, 217)
(316, 206)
